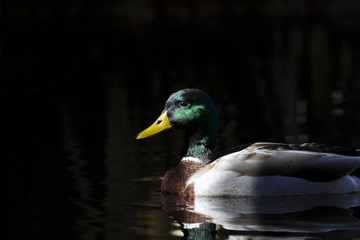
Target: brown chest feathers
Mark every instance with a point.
(175, 179)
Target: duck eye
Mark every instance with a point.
(184, 103)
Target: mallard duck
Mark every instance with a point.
(261, 169)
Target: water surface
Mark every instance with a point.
(77, 173)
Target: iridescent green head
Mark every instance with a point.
(192, 111)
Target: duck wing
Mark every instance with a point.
(266, 159)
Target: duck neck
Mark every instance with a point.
(200, 145)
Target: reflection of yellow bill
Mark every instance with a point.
(161, 124)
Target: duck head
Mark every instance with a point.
(193, 112)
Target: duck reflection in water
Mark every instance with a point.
(305, 214)
(248, 173)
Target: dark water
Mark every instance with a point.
(78, 81)
(77, 173)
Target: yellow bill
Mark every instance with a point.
(161, 124)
